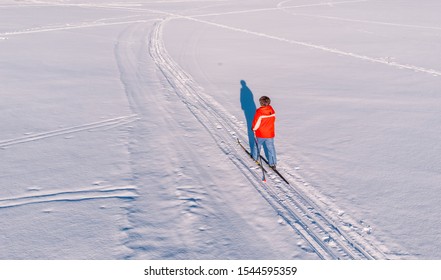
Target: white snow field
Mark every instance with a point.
(120, 119)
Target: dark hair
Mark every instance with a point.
(264, 101)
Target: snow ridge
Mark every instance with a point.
(109, 123)
(329, 235)
(121, 192)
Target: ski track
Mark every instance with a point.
(330, 236)
(318, 4)
(120, 192)
(70, 27)
(280, 6)
(275, 8)
(144, 84)
(382, 61)
(362, 21)
(109, 123)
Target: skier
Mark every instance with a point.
(263, 127)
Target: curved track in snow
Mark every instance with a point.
(330, 234)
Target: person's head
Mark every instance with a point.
(264, 101)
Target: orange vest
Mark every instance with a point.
(263, 123)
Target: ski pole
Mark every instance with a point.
(260, 158)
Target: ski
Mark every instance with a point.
(260, 159)
(264, 159)
(277, 172)
(248, 152)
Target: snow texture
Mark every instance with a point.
(122, 125)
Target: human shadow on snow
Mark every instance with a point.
(249, 108)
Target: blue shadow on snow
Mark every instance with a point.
(249, 109)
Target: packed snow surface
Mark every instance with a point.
(122, 124)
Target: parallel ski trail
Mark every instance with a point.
(122, 192)
(326, 236)
(343, 53)
(110, 123)
(71, 27)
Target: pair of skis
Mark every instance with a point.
(264, 171)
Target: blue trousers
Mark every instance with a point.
(269, 148)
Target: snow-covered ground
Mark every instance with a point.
(120, 119)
